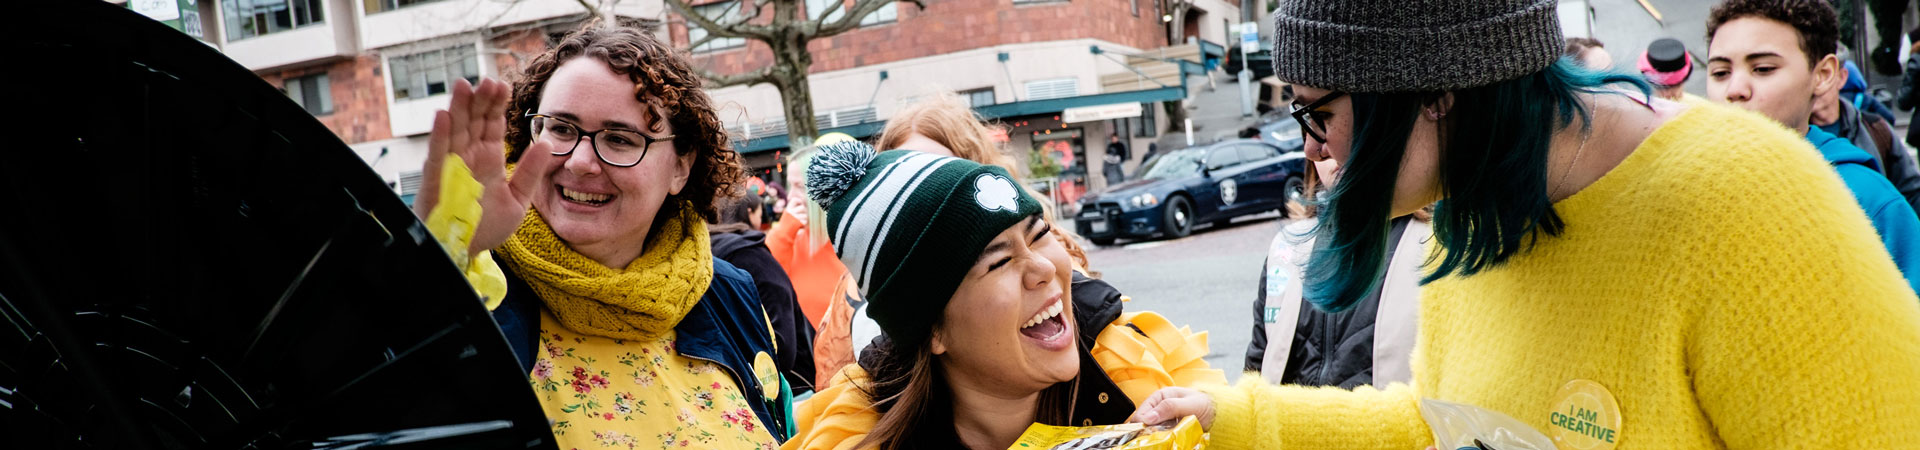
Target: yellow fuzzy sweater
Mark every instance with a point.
(1720, 283)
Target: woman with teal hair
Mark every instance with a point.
(1611, 270)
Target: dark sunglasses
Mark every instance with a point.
(1316, 127)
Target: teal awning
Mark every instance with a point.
(1054, 105)
(779, 141)
(996, 111)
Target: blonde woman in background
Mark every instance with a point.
(944, 126)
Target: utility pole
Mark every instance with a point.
(1249, 43)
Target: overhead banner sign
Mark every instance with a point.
(1101, 112)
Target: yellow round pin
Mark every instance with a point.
(768, 374)
(1584, 417)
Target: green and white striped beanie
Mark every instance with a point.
(909, 225)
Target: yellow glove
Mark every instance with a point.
(452, 222)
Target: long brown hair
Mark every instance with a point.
(945, 120)
(662, 80)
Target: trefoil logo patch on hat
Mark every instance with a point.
(995, 192)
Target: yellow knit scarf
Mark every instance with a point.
(640, 302)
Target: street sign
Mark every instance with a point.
(161, 10)
(1250, 37)
(1101, 112)
(183, 15)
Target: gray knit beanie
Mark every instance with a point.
(1412, 45)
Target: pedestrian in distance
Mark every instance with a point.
(1115, 158)
(1605, 265)
(611, 296)
(1668, 65)
(1370, 343)
(1907, 97)
(1777, 58)
(981, 339)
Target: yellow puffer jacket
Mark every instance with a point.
(1141, 352)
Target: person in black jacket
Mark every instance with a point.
(737, 240)
(1368, 344)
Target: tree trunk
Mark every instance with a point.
(1177, 29)
(790, 64)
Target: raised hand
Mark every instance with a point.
(474, 127)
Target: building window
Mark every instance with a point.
(1059, 88)
(251, 18)
(815, 7)
(977, 97)
(719, 12)
(410, 182)
(421, 75)
(886, 14)
(312, 93)
(1143, 126)
(376, 6)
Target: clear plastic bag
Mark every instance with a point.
(1465, 427)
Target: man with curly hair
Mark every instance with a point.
(1776, 57)
(611, 296)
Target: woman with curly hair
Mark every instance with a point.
(630, 329)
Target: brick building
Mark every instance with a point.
(374, 71)
(1026, 64)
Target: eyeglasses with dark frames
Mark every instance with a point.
(1315, 125)
(614, 146)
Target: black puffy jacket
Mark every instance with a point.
(1329, 349)
(793, 334)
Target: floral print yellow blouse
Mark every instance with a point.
(606, 393)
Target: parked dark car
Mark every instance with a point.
(1262, 62)
(1211, 183)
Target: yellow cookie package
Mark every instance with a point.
(1185, 435)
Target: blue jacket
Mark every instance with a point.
(1895, 220)
(726, 327)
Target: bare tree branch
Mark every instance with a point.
(730, 29)
(861, 9)
(592, 10)
(821, 18)
(703, 40)
(764, 75)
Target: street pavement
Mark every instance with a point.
(1206, 281)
